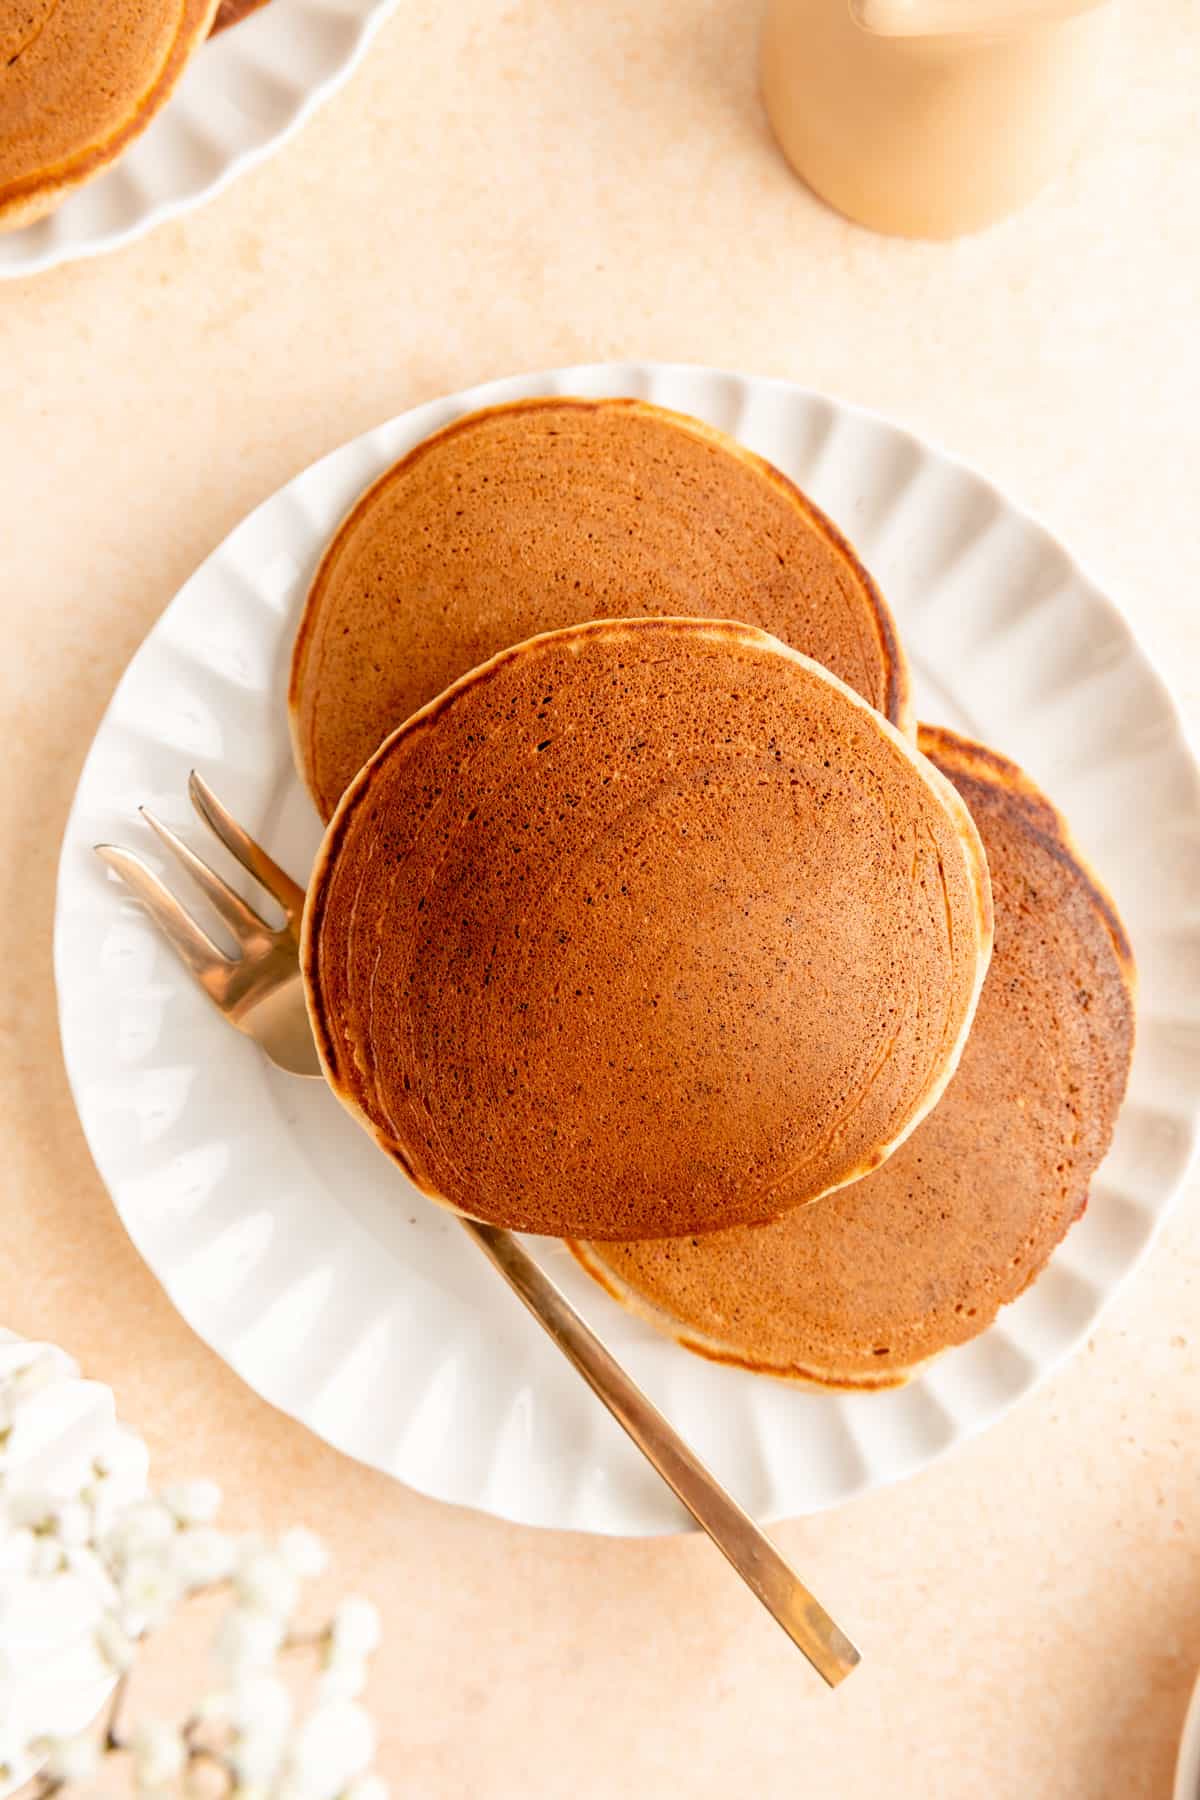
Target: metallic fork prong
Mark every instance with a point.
(194, 948)
(240, 844)
(242, 920)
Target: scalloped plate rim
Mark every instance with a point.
(239, 163)
(581, 375)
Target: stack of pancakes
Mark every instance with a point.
(645, 918)
(78, 82)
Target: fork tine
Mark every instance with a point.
(241, 918)
(193, 947)
(239, 843)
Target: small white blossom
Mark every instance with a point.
(368, 1787)
(333, 1746)
(73, 1523)
(343, 1679)
(139, 1531)
(304, 1553)
(265, 1583)
(114, 1645)
(16, 1550)
(159, 1754)
(203, 1555)
(48, 1558)
(72, 1758)
(261, 1715)
(30, 1508)
(193, 1502)
(41, 1372)
(150, 1591)
(355, 1630)
(247, 1640)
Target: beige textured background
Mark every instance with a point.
(504, 186)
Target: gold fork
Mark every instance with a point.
(261, 992)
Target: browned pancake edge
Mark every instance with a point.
(896, 701)
(352, 1064)
(653, 1279)
(31, 196)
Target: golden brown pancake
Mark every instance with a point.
(859, 1290)
(78, 82)
(653, 924)
(529, 517)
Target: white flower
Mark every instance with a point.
(16, 1550)
(73, 1523)
(256, 1755)
(31, 1508)
(343, 1679)
(159, 1754)
(203, 1555)
(355, 1630)
(265, 1583)
(247, 1640)
(72, 1759)
(139, 1531)
(42, 1371)
(102, 1496)
(193, 1502)
(49, 1558)
(114, 1645)
(333, 1746)
(304, 1553)
(367, 1787)
(150, 1590)
(259, 1699)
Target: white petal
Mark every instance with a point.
(114, 1645)
(203, 1555)
(344, 1679)
(265, 1582)
(193, 1502)
(356, 1627)
(247, 1640)
(159, 1754)
(334, 1745)
(304, 1553)
(368, 1787)
(73, 1758)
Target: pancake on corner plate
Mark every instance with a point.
(525, 518)
(644, 927)
(860, 1290)
(79, 80)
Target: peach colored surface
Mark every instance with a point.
(509, 185)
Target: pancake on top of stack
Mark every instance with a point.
(860, 1290)
(644, 927)
(78, 82)
(545, 513)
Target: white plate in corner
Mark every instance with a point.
(242, 95)
(1187, 1767)
(334, 1289)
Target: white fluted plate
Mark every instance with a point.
(242, 95)
(295, 1249)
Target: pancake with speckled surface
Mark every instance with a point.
(651, 924)
(545, 513)
(78, 82)
(863, 1288)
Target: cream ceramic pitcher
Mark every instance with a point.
(928, 118)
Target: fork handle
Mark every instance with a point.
(731, 1529)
